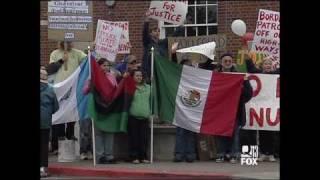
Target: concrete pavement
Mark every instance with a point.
(203, 169)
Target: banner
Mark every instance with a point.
(206, 49)
(107, 40)
(267, 35)
(241, 63)
(124, 45)
(263, 110)
(70, 21)
(173, 12)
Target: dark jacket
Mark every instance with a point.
(160, 47)
(48, 105)
(54, 67)
(245, 96)
(251, 68)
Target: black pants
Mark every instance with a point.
(60, 130)
(277, 143)
(266, 140)
(248, 137)
(44, 147)
(137, 132)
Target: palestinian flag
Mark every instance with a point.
(195, 99)
(108, 106)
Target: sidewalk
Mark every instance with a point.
(264, 170)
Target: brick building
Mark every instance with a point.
(208, 17)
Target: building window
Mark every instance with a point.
(201, 19)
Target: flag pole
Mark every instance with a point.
(151, 105)
(92, 123)
(93, 144)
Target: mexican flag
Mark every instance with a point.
(109, 107)
(195, 99)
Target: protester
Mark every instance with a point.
(48, 106)
(63, 63)
(151, 38)
(104, 140)
(185, 146)
(267, 139)
(265, 66)
(139, 114)
(232, 144)
(85, 139)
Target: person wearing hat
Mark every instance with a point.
(63, 62)
(185, 143)
(48, 106)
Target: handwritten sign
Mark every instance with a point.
(173, 12)
(70, 20)
(107, 40)
(263, 110)
(184, 42)
(267, 35)
(124, 45)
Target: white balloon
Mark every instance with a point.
(238, 27)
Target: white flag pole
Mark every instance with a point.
(93, 144)
(151, 105)
(92, 123)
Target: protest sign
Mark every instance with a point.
(173, 12)
(267, 35)
(185, 42)
(263, 110)
(107, 41)
(124, 45)
(70, 21)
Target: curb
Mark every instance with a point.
(124, 172)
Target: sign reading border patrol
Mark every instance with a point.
(70, 21)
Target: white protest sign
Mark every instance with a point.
(206, 49)
(70, 20)
(124, 45)
(267, 35)
(263, 110)
(173, 12)
(107, 41)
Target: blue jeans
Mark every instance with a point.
(185, 144)
(104, 144)
(229, 144)
(85, 136)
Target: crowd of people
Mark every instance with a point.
(65, 60)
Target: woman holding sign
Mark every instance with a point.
(151, 39)
(267, 139)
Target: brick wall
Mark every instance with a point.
(134, 12)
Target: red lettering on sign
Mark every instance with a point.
(269, 121)
(269, 16)
(262, 33)
(258, 81)
(254, 115)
